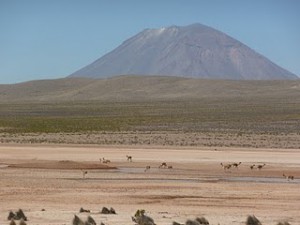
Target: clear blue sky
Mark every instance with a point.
(48, 39)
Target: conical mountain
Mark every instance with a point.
(190, 51)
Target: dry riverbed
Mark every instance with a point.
(48, 184)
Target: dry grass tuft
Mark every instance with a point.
(19, 215)
(252, 220)
(202, 220)
(91, 221)
(77, 221)
(12, 222)
(283, 223)
(22, 222)
(105, 210)
(82, 210)
(141, 219)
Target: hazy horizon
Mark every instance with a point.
(52, 39)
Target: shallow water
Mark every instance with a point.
(261, 180)
(128, 170)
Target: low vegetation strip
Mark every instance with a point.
(207, 122)
(230, 115)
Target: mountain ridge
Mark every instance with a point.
(146, 88)
(195, 51)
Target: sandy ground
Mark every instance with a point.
(49, 177)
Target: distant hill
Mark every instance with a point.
(194, 51)
(146, 88)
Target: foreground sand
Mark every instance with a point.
(49, 177)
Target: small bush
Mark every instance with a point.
(202, 220)
(20, 215)
(77, 221)
(91, 221)
(192, 222)
(108, 211)
(252, 220)
(142, 219)
(11, 215)
(112, 211)
(22, 222)
(283, 223)
(17, 216)
(12, 222)
(105, 210)
(82, 210)
(175, 223)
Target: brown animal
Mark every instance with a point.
(252, 166)
(147, 168)
(260, 166)
(163, 165)
(105, 160)
(129, 158)
(236, 165)
(225, 166)
(84, 172)
(289, 177)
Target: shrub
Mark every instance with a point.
(252, 220)
(22, 222)
(142, 219)
(108, 211)
(82, 210)
(77, 221)
(112, 211)
(11, 215)
(17, 216)
(192, 222)
(202, 220)
(20, 215)
(91, 221)
(283, 223)
(12, 222)
(175, 223)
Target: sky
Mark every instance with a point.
(50, 39)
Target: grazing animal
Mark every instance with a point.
(289, 177)
(129, 158)
(252, 166)
(236, 165)
(147, 168)
(105, 160)
(260, 166)
(170, 167)
(84, 172)
(225, 166)
(163, 165)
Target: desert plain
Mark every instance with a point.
(52, 132)
(47, 183)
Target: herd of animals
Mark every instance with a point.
(226, 167)
(253, 166)
(140, 218)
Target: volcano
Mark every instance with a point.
(194, 51)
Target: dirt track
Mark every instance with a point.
(197, 185)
